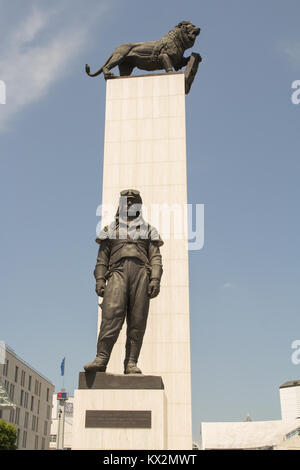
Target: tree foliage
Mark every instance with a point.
(8, 436)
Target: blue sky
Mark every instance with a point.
(243, 164)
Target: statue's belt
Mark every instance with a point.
(119, 244)
(115, 266)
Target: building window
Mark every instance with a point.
(38, 407)
(18, 438)
(16, 373)
(17, 417)
(12, 391)
(33, 423)
(26, 419)
(21, 397)
(45, 428)
(36, 387)
(32, 403)
(36, 443)
(23, 378)
(40, 387)
(25, 399)
(37, 425)
(24, 439)
(47, 397)
(5, 368)
(48, 412)
(29, 382)
(12, 415)
(43, 443)
(53, 438)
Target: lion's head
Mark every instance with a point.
(188, 32)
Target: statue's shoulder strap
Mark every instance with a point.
(104, 233)
(154, 236)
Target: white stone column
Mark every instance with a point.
(145, 149)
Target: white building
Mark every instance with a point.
(68, 424)
(250, 435)
(281, 434)
(290, 400)
(31, 393)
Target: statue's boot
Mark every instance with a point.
(133, 348)
(104, 348)
(131, 368)
(98, 365)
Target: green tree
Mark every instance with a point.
(8, 436)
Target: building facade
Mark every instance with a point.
(290, 400)
(281, 434)
(67, 427)
(250, 435)
(32, 395)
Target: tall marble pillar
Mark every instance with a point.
(145, 149)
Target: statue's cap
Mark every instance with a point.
(132, 193)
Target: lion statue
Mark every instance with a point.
(164, 54)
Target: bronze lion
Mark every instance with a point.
(166, 53)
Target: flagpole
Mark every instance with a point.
(61, 408)
(62, 369)
(63, 377)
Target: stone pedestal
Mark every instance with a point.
(145, 149)
(119, 412)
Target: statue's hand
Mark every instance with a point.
(154, 288)
(100, 287)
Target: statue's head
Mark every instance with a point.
(189, 33)
(130, 204)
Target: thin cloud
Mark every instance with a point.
(37, 51)
(31, 26)
(228, 285)
(292, 51)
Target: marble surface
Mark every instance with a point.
(120, 438)
(145, 149)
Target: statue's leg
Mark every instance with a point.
(166, 62)
(114, 61)
(114, 308)
(125, 69)
(137, 314)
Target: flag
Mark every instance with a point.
(62, 366)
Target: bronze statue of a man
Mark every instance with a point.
(128, 273)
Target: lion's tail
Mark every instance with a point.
(88, 71)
